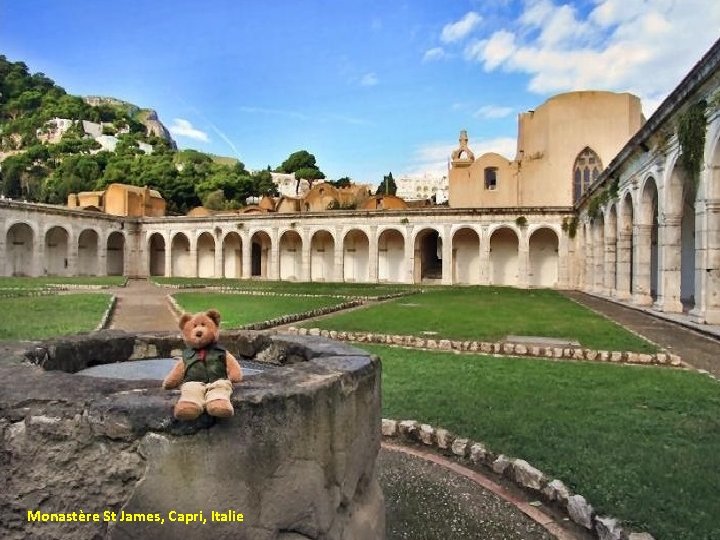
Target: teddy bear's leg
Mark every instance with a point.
(192, 401)
(217, 399)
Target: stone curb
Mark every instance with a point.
(521, 473)
(277, 321)
(22, 293)
(500, 348)
(105, 320)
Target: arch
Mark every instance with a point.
(87, 263)
(115, 259)
(611, 227)
(19, 246)
(391, 256)
(586, 169)
(206, 255)
(598, 228)
(428, 256)
(180, 258)
(504, 246)
(260, 245)
(322, 256)
(156, 254)
(543, 257)
(626, 251)
(232, 255)
(356, 256)
(56, 251)
(290, 256)
(466, 256)
(647, 270)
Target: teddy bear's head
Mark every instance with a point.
(201, 329)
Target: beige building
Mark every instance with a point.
(121, 200)
(561, 148)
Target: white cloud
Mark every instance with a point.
(623, 45)
(183, 128)
(436, 53)
(492, 111)
(433, 158)
(369, 79)
(460, 29)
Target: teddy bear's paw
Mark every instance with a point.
(187, 410)
(221, 408)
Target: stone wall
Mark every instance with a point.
(297, 459)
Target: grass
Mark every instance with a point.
(42, 317)
(50, 282)
(291, 287)
(238, 310)
(641, 444)
(489, 314)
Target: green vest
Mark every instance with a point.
(209, 370)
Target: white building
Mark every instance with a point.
(424, 187)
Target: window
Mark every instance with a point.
(586, 170)
(491, 178)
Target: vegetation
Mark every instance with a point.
(489, 314)
(642, 444)
(41, 317)
(303, 164)
(239, 310)
(691, 135)
(388, 186)
(55, 281)
(49, 172)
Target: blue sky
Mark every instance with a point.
(368, 86)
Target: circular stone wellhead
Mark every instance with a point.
(297, 460)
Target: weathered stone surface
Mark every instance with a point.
(520, 349)
(389, 427)
(641, 536)
(501, 464)
(556, 491)
(477, 452)
(409, 429)
(675, 360)
(607, 528)
(591, 355)
(444, 438)
(580, 511)
(486, 347)
(661, 358)
(427, 434)
(527, 475)
(75, 442)
(461, 447)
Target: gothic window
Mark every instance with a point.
(585, 171)
(491, 178)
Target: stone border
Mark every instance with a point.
(497, 348)
(105, 319)
(530, 479)
(54, 288)
(250, 292)
(23, 293)
(277, 321)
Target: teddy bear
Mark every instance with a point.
(205, 370)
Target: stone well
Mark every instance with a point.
(297, 460)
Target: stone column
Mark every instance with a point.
(707, 273)
(624, 252)
(598, 260)
(447, 254)
(168, 256)
(102, 256)
(373, 254)
(71, 256)
(566, 253)
(610, 284)
(274, 255)
(38, 264)
(246, 247)
(339, 255)
(5, 268)
(484, 257)
(218, 271)
(641, 267)
(589, 260)
(305, 256)
(193, 258)
(669, 258)
(523, 259)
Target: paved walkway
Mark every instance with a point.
(141, 307)
(700, 351)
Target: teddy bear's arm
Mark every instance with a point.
(234, 371)
(175, 377)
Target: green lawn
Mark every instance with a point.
(488, 314)
(641, 444)
(52, 282)
(291, 287)
(42, 317)
(237, 310)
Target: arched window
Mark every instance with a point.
(491, 178)
(585, 171)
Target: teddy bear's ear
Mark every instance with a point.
(184, 318)
(214, 315)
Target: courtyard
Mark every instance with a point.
(641, 443)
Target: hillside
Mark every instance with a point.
(53, 143)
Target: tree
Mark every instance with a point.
(387, 187)
(307, 174)
(340, 182)
(303, 164)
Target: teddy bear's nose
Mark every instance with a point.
(198, 333)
